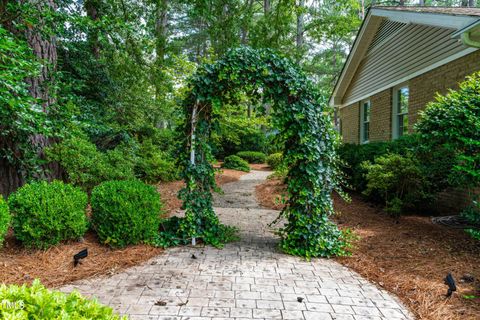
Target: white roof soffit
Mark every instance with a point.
(367, 31)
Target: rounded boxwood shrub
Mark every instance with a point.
(252, 156)
(274, 160)
(43, 214)
(235, 163)
(125, 212)
(4, 220)
(37, 302)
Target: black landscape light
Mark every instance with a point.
(81, 255)
(450, 282)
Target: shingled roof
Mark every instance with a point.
(460, 11)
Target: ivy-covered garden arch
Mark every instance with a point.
(299, 112)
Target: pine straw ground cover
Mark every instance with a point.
(409, 258)
(54, 267)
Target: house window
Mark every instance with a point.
(400, 111)
(365, 121)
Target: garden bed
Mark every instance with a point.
(54, 267)
(409, 258)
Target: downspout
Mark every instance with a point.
(470, 35)
(468, 41)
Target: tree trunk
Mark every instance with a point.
(465, 3)
(92, 9)
(45, 49)
(421, 3)
(266, 7)
(161, 31)
(41, 88)
(300, 28)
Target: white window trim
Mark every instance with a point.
(362, 120)
(395, 114)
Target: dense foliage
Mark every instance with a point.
(86, 166)
(452, 123)
(21, 116)
(125, 212)
(275, 160)
(252, 156)
(236, 163)
(37, 302)
(304, 127)
(43, 214)
(396, 179)
(5, 219)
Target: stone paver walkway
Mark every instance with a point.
(248, 279)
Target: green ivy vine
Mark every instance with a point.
(300, 112)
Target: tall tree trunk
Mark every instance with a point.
(161, 31)
(300, 28)
(421, 3)
(465, 3)
(266, 7)
(92, 8)
(161, 24)
(40, 87)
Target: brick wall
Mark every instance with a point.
(381, 116)
(422, 90)
(350, 123)
(424, 87)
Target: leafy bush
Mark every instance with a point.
(275, 160)
(37, 302)
(232, 138)
(154, 165)
(235, 163)
(43, 214)
(4, 220)
(125, 212)
(472, 213)
(353, 155)
(452, 123)
(396, 179)
(86, 167)
(252, 156)
(172, 234)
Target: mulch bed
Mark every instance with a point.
(54, 267)
(409, 257)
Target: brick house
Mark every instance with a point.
(401, 58)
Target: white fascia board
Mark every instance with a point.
(467, 28)
(410, 76)
(426, 18)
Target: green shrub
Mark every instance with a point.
(37, 302)
(275, 160)
(86, 166)
(231, 138)
(43, 214)
(252, 156)
(4, 220)
(452, 123)
(154, 165)
(353, 155)
(125, 212)
(235, 163)
(396, 179)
